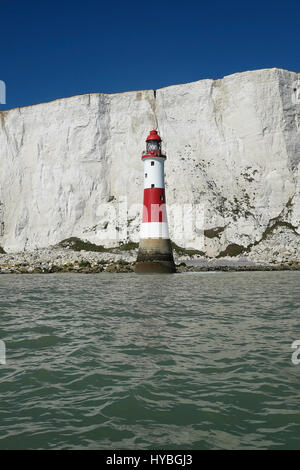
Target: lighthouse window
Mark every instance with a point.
(152, 185)
(152, 163)
(145, 175)
(161, 198)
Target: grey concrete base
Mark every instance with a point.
(155, 256)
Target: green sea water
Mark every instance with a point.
(121, 361)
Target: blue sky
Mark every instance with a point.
(53, 49)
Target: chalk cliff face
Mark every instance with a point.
(72, 167)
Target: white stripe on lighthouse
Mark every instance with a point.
(154, 172)
(154, 230)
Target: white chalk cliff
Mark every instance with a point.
(233, 146)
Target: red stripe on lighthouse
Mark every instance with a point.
(154, 209)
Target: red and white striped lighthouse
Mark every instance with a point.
(155, 250)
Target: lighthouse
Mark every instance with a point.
(155, 250)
